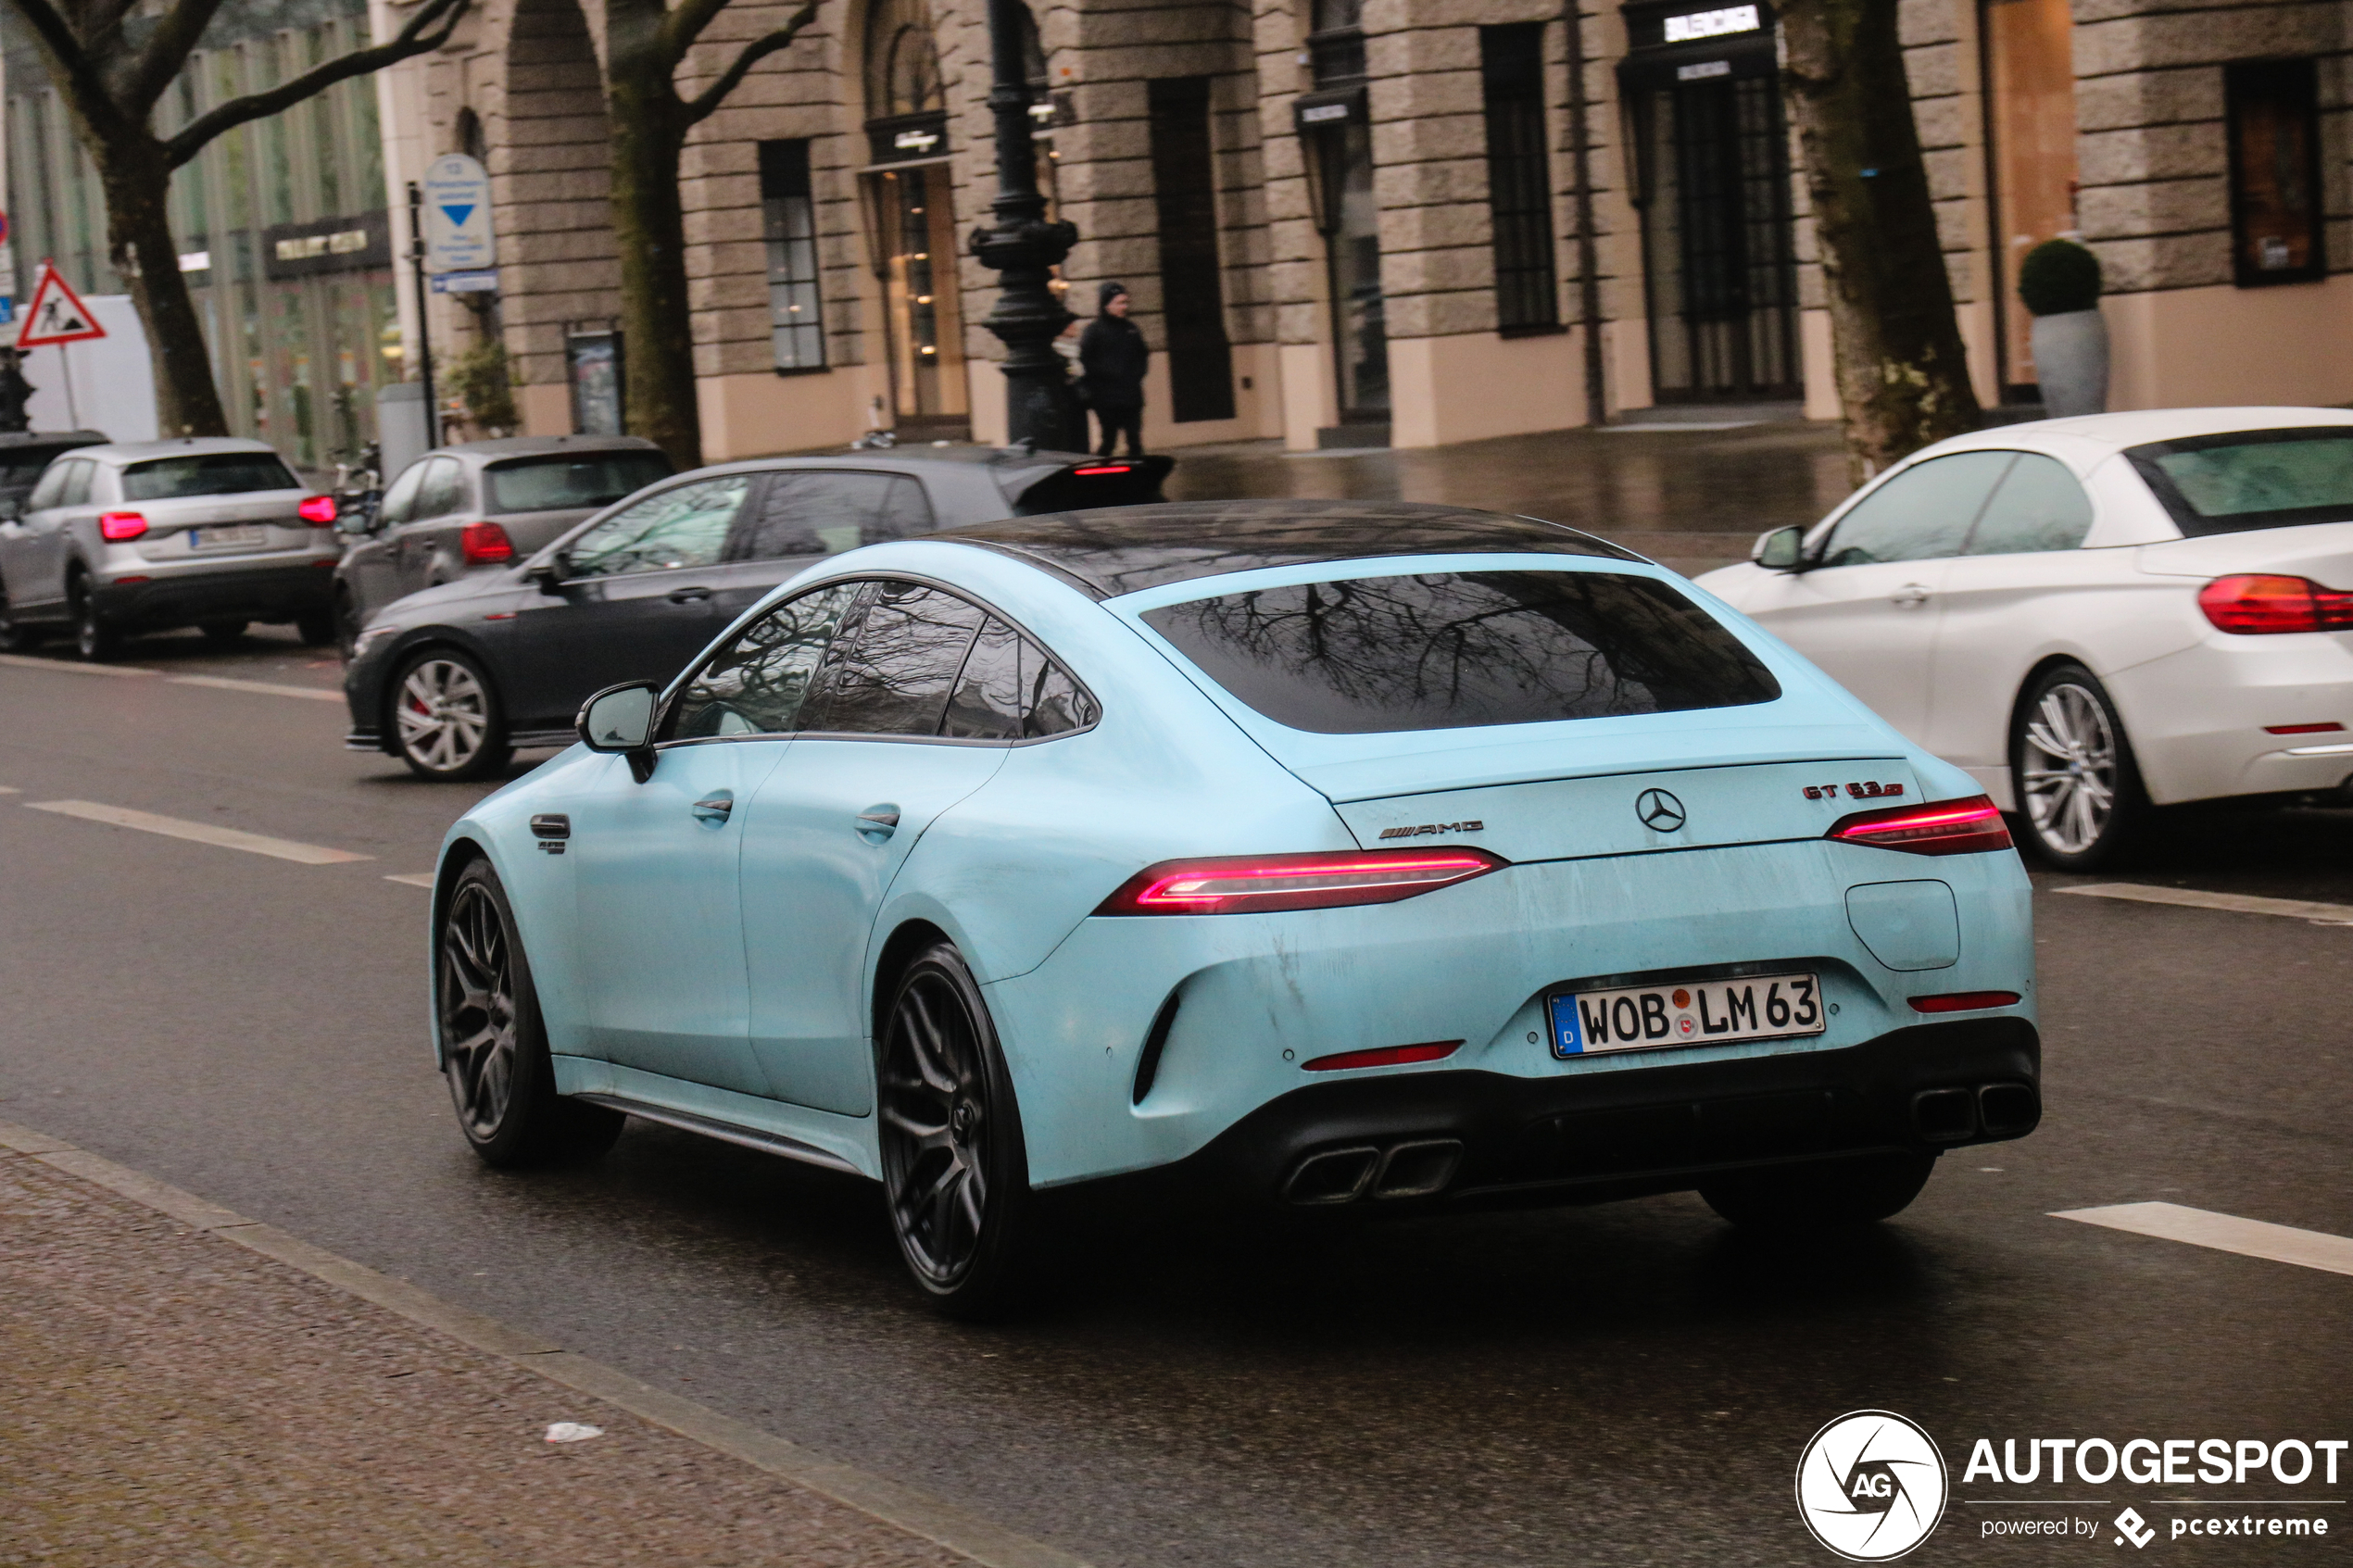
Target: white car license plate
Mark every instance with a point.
(228, 535)
(1686, 1013)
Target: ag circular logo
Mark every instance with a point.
(1872, 1486)
(1660, 811)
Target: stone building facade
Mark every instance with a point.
(1417, 221)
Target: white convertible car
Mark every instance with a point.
(2094, 615)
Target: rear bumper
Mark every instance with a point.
(1474, 1140)
(298, 588)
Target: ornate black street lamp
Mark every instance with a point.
(1023, 249)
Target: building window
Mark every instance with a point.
(788, 217)
(2273, 107)
(1200, 360)
(1518, 186)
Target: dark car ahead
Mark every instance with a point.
(454, 679)
(481, 505)
(23, 454)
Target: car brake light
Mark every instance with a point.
(2252, 604)
(120, 526)
(1107, 468)
(1942, 827)
(486, 542)
(1250, 883)
(1384, 1056)
(317, 512)
(1964, 1002)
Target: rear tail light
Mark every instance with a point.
(2252, 604)
(1384, 1056)
(118, 526)
(486, 542)
(317, 512)
(1964, 1002)
(1234, 885)
(1942, 827)
(1104, 468)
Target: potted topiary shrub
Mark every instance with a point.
(2059, 283)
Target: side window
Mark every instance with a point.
(77, 487)
(400, 502)
(2038, 507)
(902, 661)
(826, 511)
(1056, 703)
(52, 486)
(1011, 689)
(683, 526)
(443, 490)
(756, 682)
(1923, 513)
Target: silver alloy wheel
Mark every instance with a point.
(2069, 767)
(478, 1011)
(442, 714)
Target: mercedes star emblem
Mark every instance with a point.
(1660, 811)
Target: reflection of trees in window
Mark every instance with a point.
(755, 685)
(909, 646)
(681, 527)
(1444, 650)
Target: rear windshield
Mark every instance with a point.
(1450, 650)
(564, 481)
(2252, 478)
(206, 473)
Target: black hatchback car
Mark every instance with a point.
(455, 679)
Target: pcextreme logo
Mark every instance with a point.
(1872, 1486)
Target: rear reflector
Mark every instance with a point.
(118, 526)
(1944, 827)
(2301, 729)
(2253, 604)
(486, 542)
(1964, 1002)
(1384, 1056)
(317, 512)
(1233, 884)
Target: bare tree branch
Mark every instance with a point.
(413, 40)
(81, 82)
(699, 108)
(682, 25)
(167, 52)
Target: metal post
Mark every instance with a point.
(1024, 248)
(425, 332)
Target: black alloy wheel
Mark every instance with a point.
(2072, 772)
(447, 718)
(96, 639)
(954, 1167)
(15, 635)
(494, 1046)
(1823, 1194)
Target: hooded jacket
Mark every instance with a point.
(1112, 356)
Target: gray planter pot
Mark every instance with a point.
(2071, 359)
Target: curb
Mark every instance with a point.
(941, 1523)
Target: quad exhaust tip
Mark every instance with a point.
(1999, 1110)
(1417, 1168)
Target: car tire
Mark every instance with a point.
(15, 635)
(317, 629)
(96, 639)
(1825, 1195)
(447, 718)
(223, 633)
(955, 1170)
(2072, 772)
(494, 1044)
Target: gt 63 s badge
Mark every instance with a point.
(1872, 1486)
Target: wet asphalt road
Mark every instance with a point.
(1622, 1385)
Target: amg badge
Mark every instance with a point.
(1472, 826)
(1853, 791)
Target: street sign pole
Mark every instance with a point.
(424, 333)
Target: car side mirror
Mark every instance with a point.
(1783, 549)
(621, 718)
(550, 573)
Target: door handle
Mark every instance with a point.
(714, 808)
(877, 822)
(1910, 596)
(690, 595)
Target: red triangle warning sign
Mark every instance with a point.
(56, 314)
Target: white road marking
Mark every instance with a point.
(20, 661)
(2225, 1233)
(412, 879)
(2236, 903)
(199, 833)
(7, 789)
(224, 683)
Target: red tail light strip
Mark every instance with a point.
(486, 542)
(1964, 1002)
(318, 510)
(2255, 605)
(120, 526)
(1254, 883)
(1944, 827)
(1384, 1056)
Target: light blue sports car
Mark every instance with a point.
(1315, 855)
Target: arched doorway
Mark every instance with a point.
(912, 220)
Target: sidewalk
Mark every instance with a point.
(1690, 497)
(169, 1396)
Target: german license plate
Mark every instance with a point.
(228, 535)
(1686, 1013)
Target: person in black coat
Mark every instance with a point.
(1111, 358)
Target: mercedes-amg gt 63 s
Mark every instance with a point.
(1324, 856)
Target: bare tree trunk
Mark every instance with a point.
(648, 134)
(137, 181)
(1903, 376)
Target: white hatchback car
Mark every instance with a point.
(2094, 615)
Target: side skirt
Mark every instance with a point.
(814, 1137)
